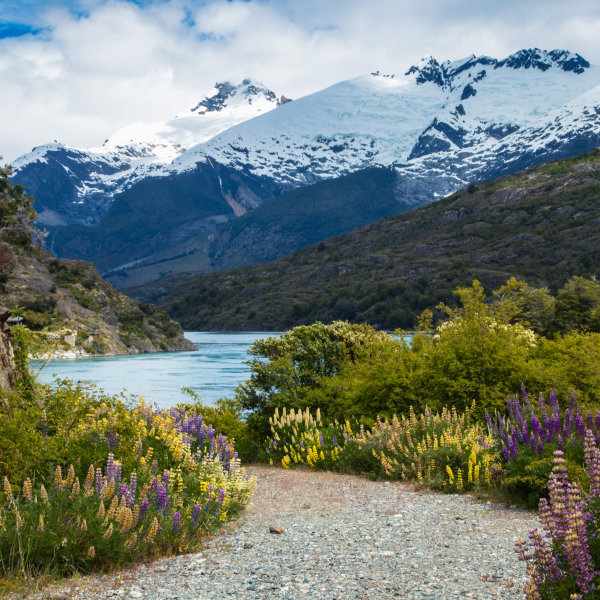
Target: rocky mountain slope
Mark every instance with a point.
(437, 127)
(71, 310)
(540, 225)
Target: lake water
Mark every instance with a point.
(213, 372)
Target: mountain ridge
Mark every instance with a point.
(441, 127)
(539, 225)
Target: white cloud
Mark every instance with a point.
(85, 76)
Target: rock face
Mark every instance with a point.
(7, 380)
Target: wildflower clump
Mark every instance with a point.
(299, 438)
(166, 478)
(530, 433)
(564, 561)
(443, 450)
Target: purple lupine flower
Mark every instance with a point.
(154, 485)
(505, 453)
(123, 491)
(554, 408)
(112, 439)
(488, 420)
(196, 513)
(533, 445)
(165, 478)
(321, 439)
(536, 426)
(335, 441)
(132, 489)
(154, 467)
(221, 496)
(144, 508)
(110, 466)
(162, 498)
(118, 468)
(512, 448)
(589, 420)
(579, 425)
(176, 522)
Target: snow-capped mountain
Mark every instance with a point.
(478, 103)
(439, 126)
(86, 180)
(165, 140)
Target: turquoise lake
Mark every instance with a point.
(212, 372)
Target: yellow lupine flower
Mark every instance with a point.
(91, 553)
(152, 530)
(70, 476)
(27, 493)
(43, 493)
(75, 489)
(58, 482)
(41, 523)
(108, 532)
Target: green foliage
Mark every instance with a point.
(567, 363)
(285, 370)
(25, 383)
(578, 305)
(477, 355)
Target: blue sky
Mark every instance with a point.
(77, 70)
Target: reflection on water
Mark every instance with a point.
(212, 372)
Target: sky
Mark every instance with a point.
(75, 71)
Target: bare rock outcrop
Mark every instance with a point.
(7, 378)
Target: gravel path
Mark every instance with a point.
(344, 537)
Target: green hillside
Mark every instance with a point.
(541, 225)
(66, 303)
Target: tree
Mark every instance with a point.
(578, 305)
(16, 212)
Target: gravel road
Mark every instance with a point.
(343, 538)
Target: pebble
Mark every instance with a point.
(359, 540)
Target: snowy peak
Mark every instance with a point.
(247, 92)
(534, 58)
(429, 70)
